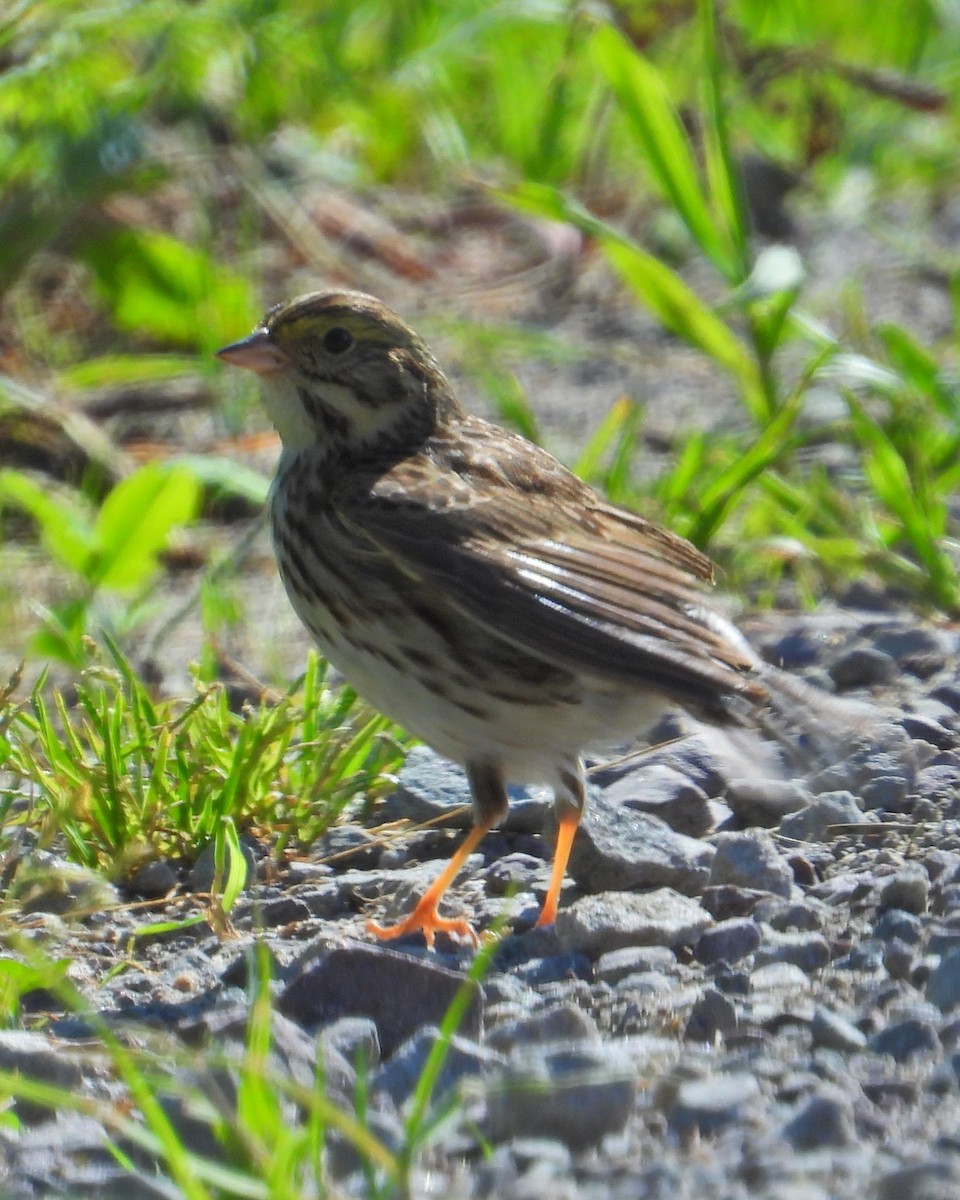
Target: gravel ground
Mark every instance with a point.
(752, 990)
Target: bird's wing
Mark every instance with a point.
(519, 545)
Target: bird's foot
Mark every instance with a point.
(427, 921)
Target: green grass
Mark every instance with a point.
(116, 776)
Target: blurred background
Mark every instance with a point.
(706, 252)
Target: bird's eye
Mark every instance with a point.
(337, 340)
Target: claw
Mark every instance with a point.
(427, 921)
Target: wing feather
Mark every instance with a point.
(555, 572)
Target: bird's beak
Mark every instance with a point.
(256, 353)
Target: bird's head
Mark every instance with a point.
(340, 371)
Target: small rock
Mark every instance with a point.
(728, 941)
(766, 802)
(943, 985)
(750, 860)
(618, 849)
(666, 793)
(861, 667)
(632, 960)
(938, 1179)
(596, 925)
(904, 1040)
(576, 1093)
(512, 873)
(835, 1032)
(153, 880)
(824, 1120)
(908, 889)
(355, 1039)
(713, 1015)
(727, 901)
(398, 1077)
(708, 1105)
(808, 951)
(400, 994)
(896, 923)
(925, 729)
(431, 788)
(812, 824)
(556, 1023)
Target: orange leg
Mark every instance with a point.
(569, 820)
(425, 916)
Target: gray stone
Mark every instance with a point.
(904, 1040)
(835, 1032)
(355, 1039)
(46, 883)
(938, 1179)
(431, 788)
(861, 667)
(695, 758)
(400, 994)
(666, 793)
(750, 860)
(618, 849)
(511, 874)
(728, 941)
(812, 824)
(896, 923)
(708, 1105)
(888, 792)
(908, 889)
(596, 925)
(766, 802)
(202, 874)
(555, 1023)
(943, 986)
(462, 1057)
(631, 960)
(348, 845)
(808, 951)
(713, 1015)
(799, 915)
(825, 1120)
(153, 880)
(577, 1093)
(909, 641)
(927, 729)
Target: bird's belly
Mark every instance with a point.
(475, 703)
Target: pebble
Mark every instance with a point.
(836, 1032)
(576, 1093)
(824, 1120)
(907, 889)
(766, 802)
(666, 793)
(708, 1105)
(750, 860)
(903, 1040)
(618, 964)
(714, 1015)
(813, 823)
(862, 667)
(728, 941)
(398, 993)
(808, 951)
(596, 925)
(618, 849)
(943, 986)
(463, 1057)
